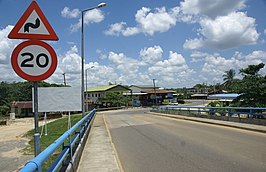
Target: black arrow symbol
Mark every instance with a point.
(34, 26)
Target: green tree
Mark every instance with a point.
(253, 87)
(18, 91)
(228, 78)
(115, 98)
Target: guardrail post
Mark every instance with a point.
(229, 114)
(251, 113)
(199, 112)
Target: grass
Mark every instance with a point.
(55, 130)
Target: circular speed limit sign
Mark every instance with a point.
(34, 60)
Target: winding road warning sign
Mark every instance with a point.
(34, 60)
(33, 25)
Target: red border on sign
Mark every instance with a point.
(14, 34)
(17, 69)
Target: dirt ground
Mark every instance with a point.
(12, 143)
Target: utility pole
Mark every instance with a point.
(154, 91)
(64, 74)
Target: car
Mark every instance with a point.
(173, 103)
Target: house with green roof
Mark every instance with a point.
(95, 94)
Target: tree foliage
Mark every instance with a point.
(18, 91)
(229, 78)
(252, 87)
(115, 98)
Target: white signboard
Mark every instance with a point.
(59, 99)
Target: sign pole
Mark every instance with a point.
(36, 120)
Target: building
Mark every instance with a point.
(95, 95)
(196, 92)
(22, 109)
(224, 99)
(144, 95)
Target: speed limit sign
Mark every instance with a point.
(34, 60)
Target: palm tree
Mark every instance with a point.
(229, 77)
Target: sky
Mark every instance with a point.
(179, 43)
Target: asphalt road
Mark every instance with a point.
(149, 143)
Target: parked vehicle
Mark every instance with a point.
(173, 103)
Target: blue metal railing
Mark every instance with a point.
(228, 111)
(67, 151)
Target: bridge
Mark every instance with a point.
(140, 140)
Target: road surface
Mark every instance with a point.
(145, 142)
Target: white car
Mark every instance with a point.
(173, 103)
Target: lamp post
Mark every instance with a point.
(82, 52)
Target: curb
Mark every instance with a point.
(214, 122)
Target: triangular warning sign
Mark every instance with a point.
(33, 25)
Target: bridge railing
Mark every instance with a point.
(68, 150)
(237, 114)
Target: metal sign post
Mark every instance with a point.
(37, 147)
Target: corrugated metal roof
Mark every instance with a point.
(105, 88)
(224, 96)
(24, 105)
(144, 86)
(151, 91)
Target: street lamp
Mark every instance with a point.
(82, 53)
(86, 75)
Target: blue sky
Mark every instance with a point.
(178, 43)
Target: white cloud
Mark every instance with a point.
(170, 72)
(148, 22)
(211, 8)
(101, 54)
(256, 57)
(130, 31)
(92, 16)
(159, 21)
(152, 54)
(225, 32)
(70, 64)
(67, 13)
(193, 44)
(230, 31)
(264, 31)
(125, 64)
(6, 47)
(120, 28)
(174, 70)
(216, 65)
(100, 74)
(198, 56)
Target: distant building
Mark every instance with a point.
(22, 109)
(196, 93)
(144, 95)
(93, 95)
